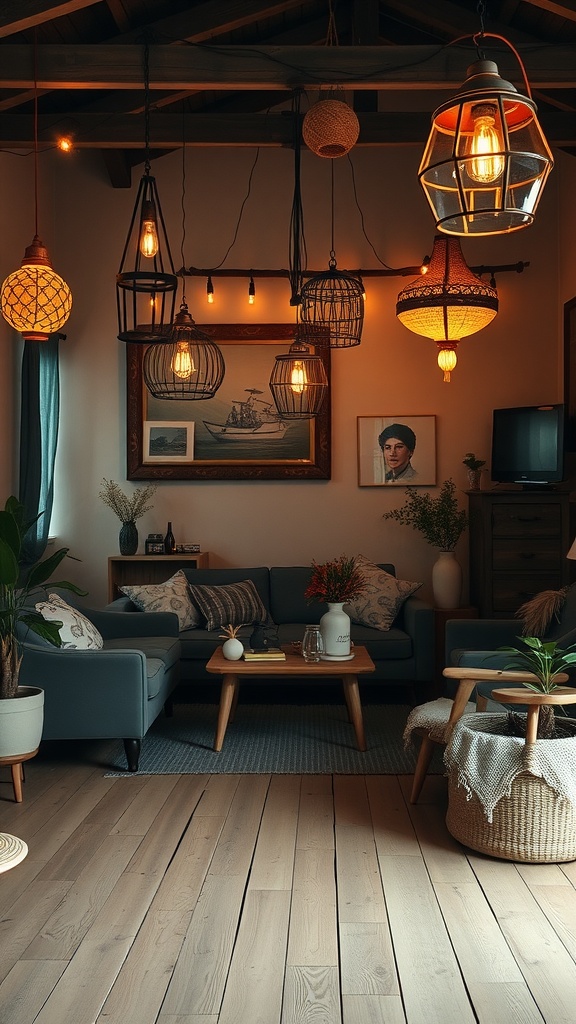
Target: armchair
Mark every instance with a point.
(116, 692)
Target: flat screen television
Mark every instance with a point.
(528, 445)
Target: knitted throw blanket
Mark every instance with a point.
(486, 763)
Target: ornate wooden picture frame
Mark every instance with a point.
(301, 449)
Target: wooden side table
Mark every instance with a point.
(138, 570)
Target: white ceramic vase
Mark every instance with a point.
(335, 631)
(233, 649)
(447, 580)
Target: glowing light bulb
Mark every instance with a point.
(65, 145)
(251, 291)
(210, 290)
(148, 230)
(182, 363)
(447, 360)
(298, 379)
(486, 146)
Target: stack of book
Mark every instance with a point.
(270, 654)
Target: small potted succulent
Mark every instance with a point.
(474, 467)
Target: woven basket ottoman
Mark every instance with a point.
(509, 799)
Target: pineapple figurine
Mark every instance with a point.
(232, 648)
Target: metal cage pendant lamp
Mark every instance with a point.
(448, 303)
(34, 299)
(187, 364)
(334, 299)
(146, 282)
(486, 160)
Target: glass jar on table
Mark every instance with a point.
(312, 644)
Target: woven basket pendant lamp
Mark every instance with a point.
(330, 128)
(448, 303)
(34, 299)
(486, 160)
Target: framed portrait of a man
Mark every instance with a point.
(396, 450)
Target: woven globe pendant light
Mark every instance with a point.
(486, 160)
(35, 300)
(188, 366)
(448, 303)
(330, 128)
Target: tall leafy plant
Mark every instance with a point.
(440, 520)
(17, 584)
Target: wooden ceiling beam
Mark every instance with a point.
(124, 131)
(566, 10)
(17, 17)
(209, 20)
(104, 66)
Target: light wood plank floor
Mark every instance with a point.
(264, 899)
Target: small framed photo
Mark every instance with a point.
(154, 547)
(396, 450)
(168, 441)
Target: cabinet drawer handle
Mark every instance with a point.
(527, 519)
(527, 554)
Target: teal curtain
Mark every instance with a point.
(39, 417)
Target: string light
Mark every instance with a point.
(251, 292)
(210, 291)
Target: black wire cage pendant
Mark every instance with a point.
(187, 365)
(299, 382)
(335, 300)
(146, 282)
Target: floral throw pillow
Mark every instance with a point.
(76, 632)
(382, 599)
(234, 604)
(171, 596)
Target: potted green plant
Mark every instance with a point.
(334, 583)
(512, 794)
(441, 522)
(474, 467)
(19, 585)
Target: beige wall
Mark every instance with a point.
(516, 360)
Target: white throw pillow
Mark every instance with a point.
(171, 596)
(379, 604)
(76, 632)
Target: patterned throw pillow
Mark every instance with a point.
(379, 604)
(171, 596)
(76, 632)
(234, 603)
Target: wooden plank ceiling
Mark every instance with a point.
(224, 72)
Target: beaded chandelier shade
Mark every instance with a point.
(486, 160)
(34, 299)
(330, 128)
(188, 366)
(299, 383)
(448, 303)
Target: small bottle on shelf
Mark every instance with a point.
(169, 542)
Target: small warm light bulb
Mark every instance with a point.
(363, 290)
(251, 292)
(65, 144)
(425, 265)
(182, 363)
(148, 230)
(210, 290)
(486, 146)
(298, 379)
(447, 360)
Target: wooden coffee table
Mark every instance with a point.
(233, 671)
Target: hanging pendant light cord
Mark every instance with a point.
(146, 109)
(35, 131)
(183, 208)
(332, 261)
(297, 241)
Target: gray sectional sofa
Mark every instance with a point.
(402, 654)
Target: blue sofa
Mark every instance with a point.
(116, 692)
(403, 654)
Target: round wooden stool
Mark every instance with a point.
(17, 771)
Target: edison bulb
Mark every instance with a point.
(182, 363)
(148, 241)
(486, 146)
(298, 377)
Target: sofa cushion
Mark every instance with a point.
(166, 649)
(232, 604)
(378, 605)
(76, 632)
(171, 596)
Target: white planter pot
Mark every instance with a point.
(447, 580)
(335, 630)
(21, 721)
(233, 649)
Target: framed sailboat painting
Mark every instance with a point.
(237, 434)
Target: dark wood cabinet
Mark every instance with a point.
(518, 546)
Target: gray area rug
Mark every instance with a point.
(275, 738)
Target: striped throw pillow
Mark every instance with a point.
(232, 604)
